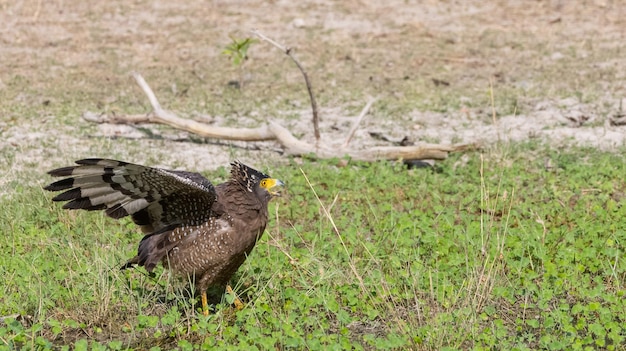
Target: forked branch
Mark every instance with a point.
(289, 52)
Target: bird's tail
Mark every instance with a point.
(152, 249)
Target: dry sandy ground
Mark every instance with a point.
(562, 63)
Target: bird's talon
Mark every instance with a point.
(237, 302)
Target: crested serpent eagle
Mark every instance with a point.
(192, 227)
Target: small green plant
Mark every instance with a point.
(237, 50)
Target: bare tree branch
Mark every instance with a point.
(289, 52)
(274, 131)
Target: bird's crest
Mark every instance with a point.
(246, 176)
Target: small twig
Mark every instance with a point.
(37, 11)
(455, 59)
(358, 121)
(156, 106)
(270, 40)
(289, 52)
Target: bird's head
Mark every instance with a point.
(255, 181)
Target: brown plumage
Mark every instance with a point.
(192, 227)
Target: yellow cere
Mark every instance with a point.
(269, 183)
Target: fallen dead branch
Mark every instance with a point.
(274, 131)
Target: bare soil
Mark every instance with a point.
(443, 71)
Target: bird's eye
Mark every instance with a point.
(263, 183)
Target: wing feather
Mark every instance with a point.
(154, 198)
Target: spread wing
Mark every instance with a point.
(158, 200)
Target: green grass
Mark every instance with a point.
(488, 251)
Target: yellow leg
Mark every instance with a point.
(205, 305)
(238, 304)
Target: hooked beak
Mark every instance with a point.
(274, 186)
